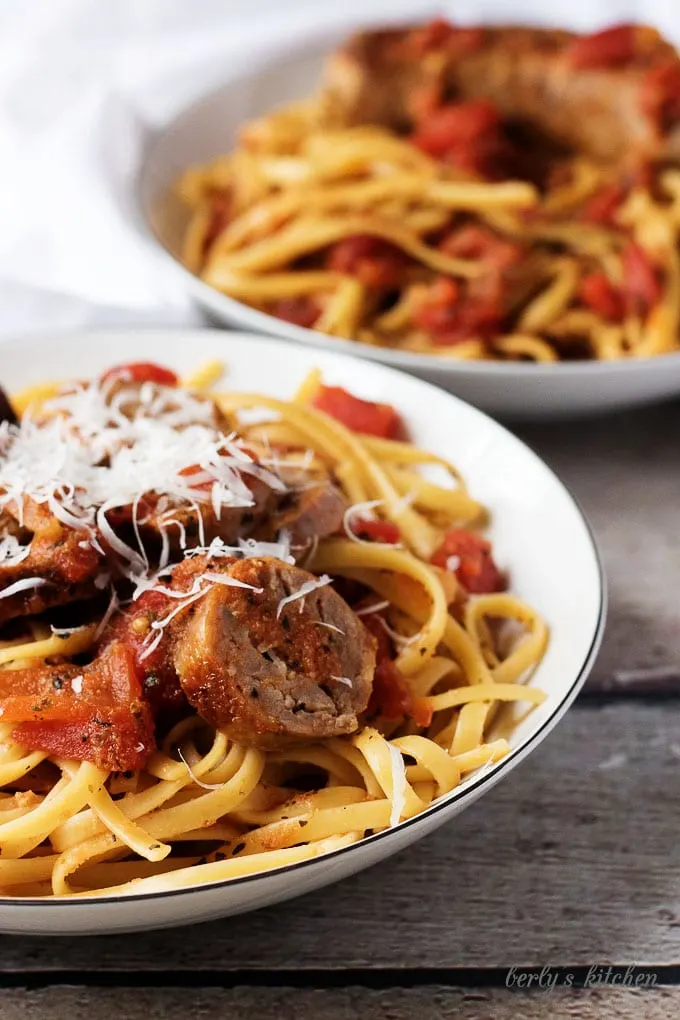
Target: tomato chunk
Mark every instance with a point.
(660, 95)
(597, 292)
(474, 241)
(603, 206)
(609, 48)
(141, 372)
(377, 263)
(391, 696)
(473, 563)
(131, 628)
(641, 284)
(359, 415)
(378, 531)
(453, 311)
(94, 714)
(300, 311)
(467, 135)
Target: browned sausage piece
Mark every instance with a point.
(67, 571)
(526, 73)
(269, 680)
(193, 526)
(311, 513)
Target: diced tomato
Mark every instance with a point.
(642, 287)
(377, 531)
(377, 263)
(475, 569)
(452, 312)
(451, 317)
(609, 48)
(359, 415)
(463, 134)
(391, 696)
(444, 291)
(141, 372)
(660, 95)
(301, 311)
(474, 241)
(96, 714)
(132, 628)
(452, 325)
(597, 292)
(603, 206)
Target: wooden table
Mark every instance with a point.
(570, 864)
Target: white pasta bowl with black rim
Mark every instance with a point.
(539, 535)
(210, 127)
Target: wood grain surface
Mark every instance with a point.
(435, 1003)
(625, 472)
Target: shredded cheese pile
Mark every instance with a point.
(101, 446)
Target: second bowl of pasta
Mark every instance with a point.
(339, 197)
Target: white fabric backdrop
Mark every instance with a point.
(81, 81)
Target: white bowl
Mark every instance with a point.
(538, 532)
(525, 390)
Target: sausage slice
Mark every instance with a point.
(529, 74)
(311, 513)
(270, 674)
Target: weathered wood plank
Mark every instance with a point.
(572, 860)
(432, 1003)
(625, 471)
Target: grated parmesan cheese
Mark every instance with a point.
(199, 782)
(330, 626)
(377, 607)
(87, 456)
(12, 552)
(305, 589)
(102, 446)
(346, 680)
(23, 585)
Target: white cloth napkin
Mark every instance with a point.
(82, 82)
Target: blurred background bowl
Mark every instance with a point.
(209, 127)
